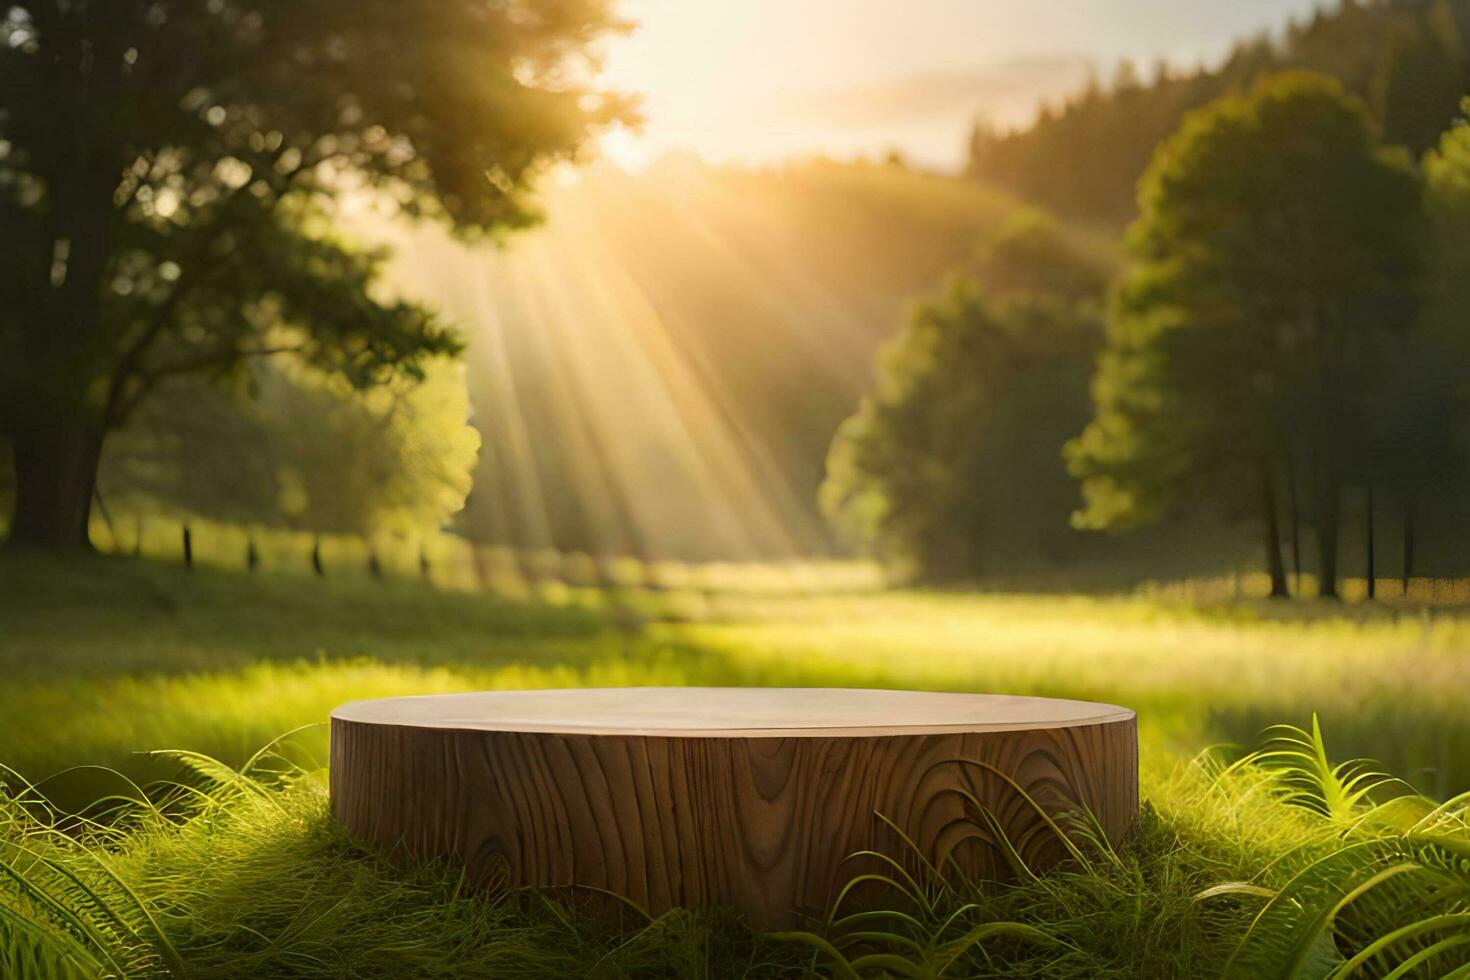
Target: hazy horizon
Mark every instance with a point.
(762, 81)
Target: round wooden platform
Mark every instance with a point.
(751, 797)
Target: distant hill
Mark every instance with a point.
(660, 369)
(1408, 59)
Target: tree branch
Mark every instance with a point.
(149, 380)
(196, 271)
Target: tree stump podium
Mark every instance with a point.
(745, 797)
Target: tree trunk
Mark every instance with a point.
(1277, 567)
(1329, 513)
(54, 422)
(316, 556)
(1408, 546)
(55, 479)
(188, 547)
(1372, 570)
(1296, 525)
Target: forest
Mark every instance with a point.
(1341, 303)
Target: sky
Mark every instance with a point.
(762, 80)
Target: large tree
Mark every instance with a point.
(951, 467)
(1275, 261)
(167, 171)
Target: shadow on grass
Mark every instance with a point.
(102, 616)
(108, 657)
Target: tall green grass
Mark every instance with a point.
(1270, 866)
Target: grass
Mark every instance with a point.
(110, 658)
(245, 878)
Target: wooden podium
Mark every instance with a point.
(747, 797)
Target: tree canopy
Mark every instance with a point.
(1275, 265)
(950, 466)
(167, 171)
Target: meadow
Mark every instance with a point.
(114, 658)
(276, 317)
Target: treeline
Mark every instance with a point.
(286, 447)
(1407, 59)
(1287, 341)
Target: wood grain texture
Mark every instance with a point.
(760, 820)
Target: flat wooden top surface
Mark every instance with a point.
(746, 712)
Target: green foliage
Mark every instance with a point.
(950, 463)
(1406, 58)
(1428, 460)
(301, 449)
(397, 459)
(1422, 73)
(1337, 791)
(1275, 264)
(198, 448)
(1033, 257)
(64, 910)
(1383, 889)
(179, 222)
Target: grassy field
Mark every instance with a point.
(106, 660)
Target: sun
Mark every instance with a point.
(624, 148)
